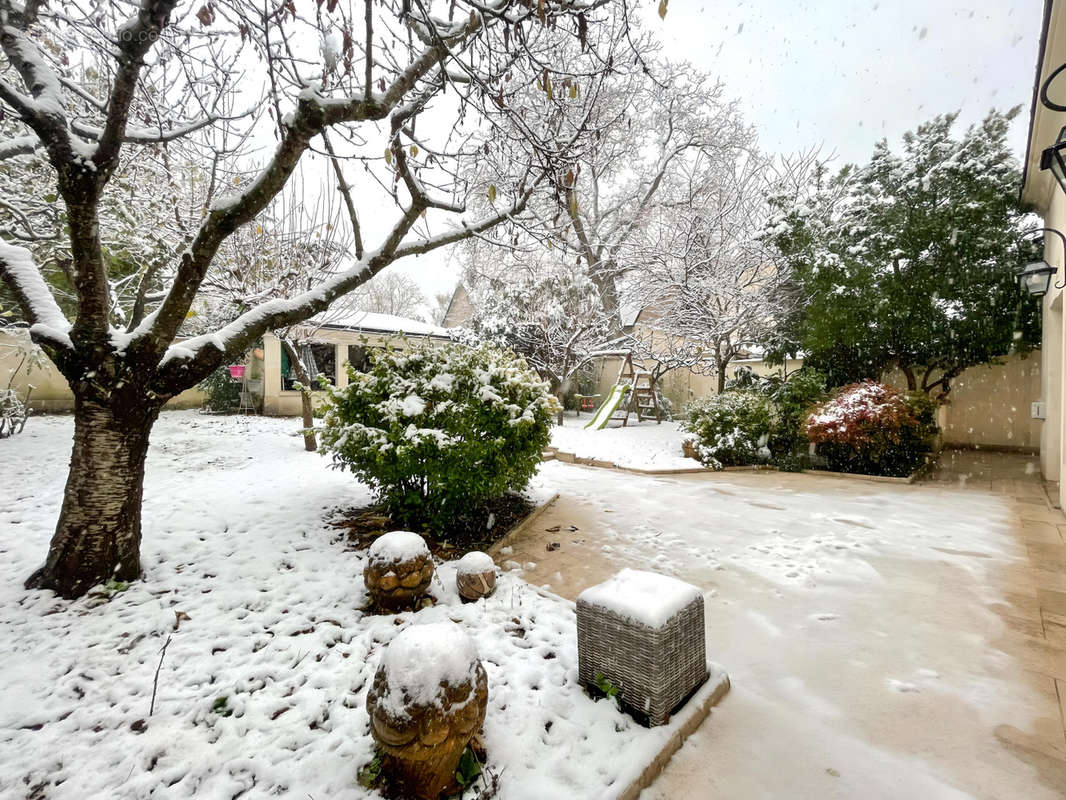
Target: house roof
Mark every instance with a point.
(1044, 124)
(373, 322)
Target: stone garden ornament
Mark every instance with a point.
(427, 702)
(398, 570)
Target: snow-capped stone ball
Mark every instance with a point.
(475, 575)
(426, 703)
(398, 570)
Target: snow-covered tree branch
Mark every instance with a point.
(141, 137)
(711, 284)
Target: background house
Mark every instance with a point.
(50, 392)
(345, 339)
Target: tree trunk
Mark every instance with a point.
(563, 388)
(912, 382)
(306, 406)
(604, 281)
(98, 536)
(722, 364)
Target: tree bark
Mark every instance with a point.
(908, 372)
(306, 406)
(98, 535)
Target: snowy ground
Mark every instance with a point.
(863, 626)
(644, 445)
(259, 601)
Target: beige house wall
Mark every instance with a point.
(51, 393)
(679, 386)
(1041, 191)
(991, 406)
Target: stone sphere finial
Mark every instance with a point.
(475, 576)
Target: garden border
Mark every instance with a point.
(584, 461)
(692, 715)
(505, 540)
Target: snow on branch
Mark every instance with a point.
(19, 146)
(49, 325)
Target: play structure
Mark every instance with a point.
(633, 392)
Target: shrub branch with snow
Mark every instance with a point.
(729, 429)
(873, 428)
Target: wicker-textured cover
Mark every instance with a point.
(655, 669)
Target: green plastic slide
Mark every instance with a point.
(610, 405)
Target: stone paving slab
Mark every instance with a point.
(1019, 611)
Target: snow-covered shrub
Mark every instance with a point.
(13, 413)
(791, 400)
(873, 428)
(433, 430)
(729, 429)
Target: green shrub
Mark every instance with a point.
(433, 430)
(874, 429)
(223, 392)
(729, 429)
(791, 400)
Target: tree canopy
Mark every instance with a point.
(907, 262)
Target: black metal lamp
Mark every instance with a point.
(1035, 278)
(1054, 159)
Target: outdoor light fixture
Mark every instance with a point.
(1044, 98)
(1035, 278)
(1054, 159)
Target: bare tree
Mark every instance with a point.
(222, 84)
(442, 301)
(712, 284)
(393, 293)
(540, 304)
(297, 243)
(654, 131)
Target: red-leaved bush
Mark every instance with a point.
(873, 428)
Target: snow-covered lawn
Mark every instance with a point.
(263, 685)
(645, 445)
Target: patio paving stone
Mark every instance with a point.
(1018, 607)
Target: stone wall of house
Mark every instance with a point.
(460, 310)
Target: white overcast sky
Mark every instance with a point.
(842, 75)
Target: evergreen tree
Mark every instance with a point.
(908, 262)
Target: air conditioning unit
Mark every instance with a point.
(1039, 410)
